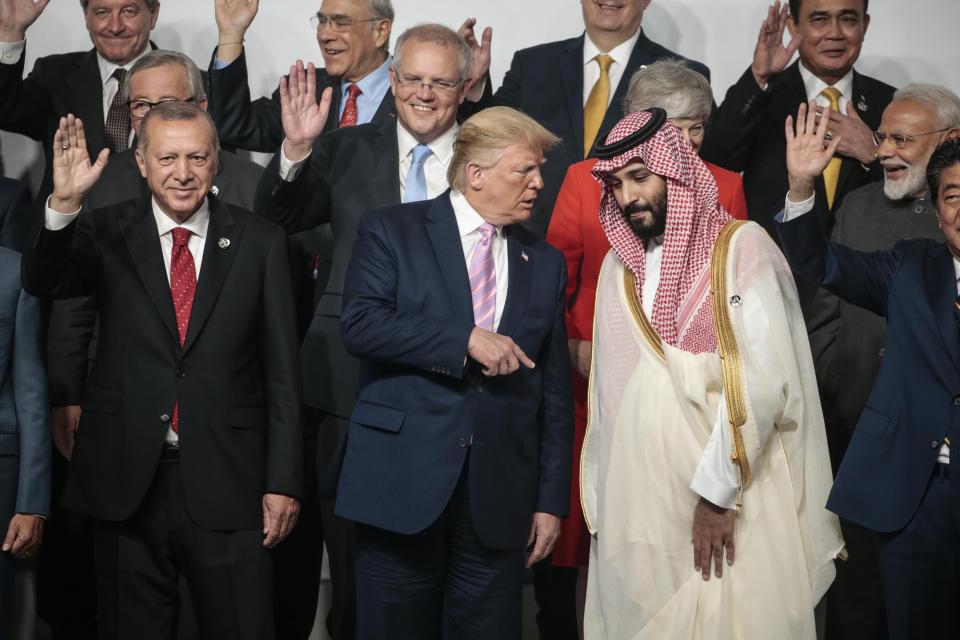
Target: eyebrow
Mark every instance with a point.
(842, 12)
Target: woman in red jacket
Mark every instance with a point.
(575, 230)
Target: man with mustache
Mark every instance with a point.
(847, 341)
(704, 423)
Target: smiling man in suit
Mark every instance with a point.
(188, 452)
(83, 83)
(458, 452)
(575, 88)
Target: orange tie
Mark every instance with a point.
(596, 106)
(831, 175)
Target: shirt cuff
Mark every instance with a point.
(716, 478)
(10, 52)
(220, 64)
(290, 169)
(793, 210)
(54, 220)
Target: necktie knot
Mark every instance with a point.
(833, 95)
(486, 232)
(420, 153)
(604, 61)
(119, 74)
(181, 236)
(354, 90)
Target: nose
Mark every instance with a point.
(425, 92)
(536, 180)
(182, 172)
(886, 149)
(834, 32)
(116, 24)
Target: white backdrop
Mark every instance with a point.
(907, 41)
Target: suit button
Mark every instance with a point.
(165, 418)
(956, 401)
(462, 443)
(181, 373)
(933, 445)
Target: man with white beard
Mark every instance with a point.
(847, 341)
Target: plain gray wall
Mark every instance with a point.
(907, 41)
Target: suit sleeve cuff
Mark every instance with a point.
(11, 52)
(55, 221)
(793, 210)
(290, 169)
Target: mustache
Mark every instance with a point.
(638, 207)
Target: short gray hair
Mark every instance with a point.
(672, 86)
(152, 3)
(382, 9)
(436, 34)
(175, 111)
(944, 103)
(163, 58)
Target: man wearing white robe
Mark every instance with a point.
(704, 421)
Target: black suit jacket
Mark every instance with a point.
(235, 380)
(256, 124)
(16, 214)
(71, 340)
(546, 83)
(58, 85)
(349, 172)
(423, 404)
(745, 134)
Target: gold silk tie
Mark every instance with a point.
(596, 106)
(831, 175)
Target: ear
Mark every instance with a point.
(951, 134)
(381, 33)
(154, 14)
(791, 26)
(203, 104)
(475, 177)
(393, 80)
(141, 163)
(866, 23)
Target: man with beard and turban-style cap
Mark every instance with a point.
(704, 422)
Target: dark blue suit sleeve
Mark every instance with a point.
(30, 394)
(372, 326)
(859, 277)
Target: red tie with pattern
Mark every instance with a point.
(349, 117)
(183, 285)
(117, 127)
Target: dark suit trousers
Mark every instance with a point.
(139, 562)
(439, 583)
(9, 471)
(921, 564)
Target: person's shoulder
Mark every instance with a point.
(63, 61)
(722, 175)
(659, 52)
(546, 51)
(239, 167)
(873, 85)
(535, 244)
(9, 188)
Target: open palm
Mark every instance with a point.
(770, 56)
(807, 155)
(73, 173)
(235, 16)
(16, 16)
(302, 116)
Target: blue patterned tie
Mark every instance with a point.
(416, 186)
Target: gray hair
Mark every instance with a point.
(175, 111)
(163, 58)
(152, 3)
(436, 34)
(673, 86)
(944, 103)
(382, 9)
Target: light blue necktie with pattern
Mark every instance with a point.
(416, 186)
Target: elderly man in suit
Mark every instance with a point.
(24, 437)
(847, 341)
(898, 476)
(458, 451)
(84, 83)
(334, 178)
(188, 450)
(575, 88)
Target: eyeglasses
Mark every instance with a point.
(338, 22)
(413, 83)
(139, 108)
(900, 141)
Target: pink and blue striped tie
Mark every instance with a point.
(483, 279)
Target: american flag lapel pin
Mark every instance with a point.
(524, 256)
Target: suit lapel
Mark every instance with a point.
(941, 283)
(219, 249)
(139, 230)
(861, 98)
(518, 289)
(387, 161)
(570, 67)
(221, 186)
(387, 109)
(85, 83)
(448, 249)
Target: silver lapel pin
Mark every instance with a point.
(862, 105)
(215, 190)
(223, 243)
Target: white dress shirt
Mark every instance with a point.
(469, 223)
(814, 86)
(793, 210)
(197, 224)
(591, 68)
(434, 167)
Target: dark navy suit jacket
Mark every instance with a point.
(915, 402)
(422, 405)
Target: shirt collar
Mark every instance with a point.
(197, 223)
(620, 53)
(468, 220)
(107, 68)
(441, 146)
(374, 83)
(814, 85)
(956, 269)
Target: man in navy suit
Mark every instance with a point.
(24, 437)
(458, 450)
(899, 474)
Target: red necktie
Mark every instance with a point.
(183, 284)
(349, 117)
(117, 127)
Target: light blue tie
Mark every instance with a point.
(416, 187)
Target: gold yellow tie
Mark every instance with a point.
(831, 175)
(596, 106)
